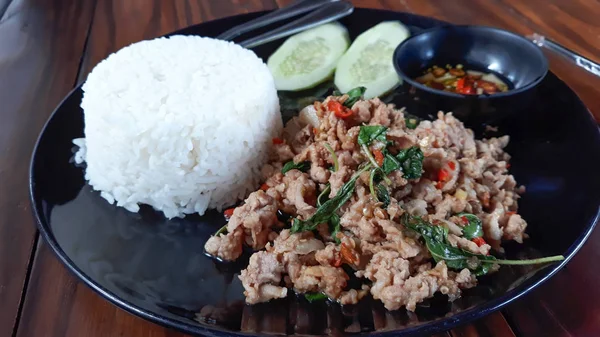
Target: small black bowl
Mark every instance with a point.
(486, 49)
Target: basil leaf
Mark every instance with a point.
(383, 195)
(313, 297)
(390, 164)
(303, 166)
(328, 208)
(354, 95)
(335, 227)
(474, 228)
(436, 240)
(370, 133)
(411, 160)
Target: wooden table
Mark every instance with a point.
(46, 47)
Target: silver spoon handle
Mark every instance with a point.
(328, 13)
(567, 53)
(296, 8)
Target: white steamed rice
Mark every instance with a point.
(181, 124)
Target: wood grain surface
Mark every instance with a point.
(41, 44)
(47, 46)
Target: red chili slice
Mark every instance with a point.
(338, 109)
(228, 213)
(443, 175)
(479, 241)
(378, 157)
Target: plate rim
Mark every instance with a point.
(436, 326)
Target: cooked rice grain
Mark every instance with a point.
(181, 124)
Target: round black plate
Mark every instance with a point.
(157, 269)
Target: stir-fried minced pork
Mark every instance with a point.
(250, 223)
(458, 184)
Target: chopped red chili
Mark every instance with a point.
(479, 241)
(228, 213)
(338, 109)
(452, 165)
(277, 141)
(443, 175)
(458, 79)
(378, 157)
(264, 187)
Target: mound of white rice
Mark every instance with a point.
(181, 124)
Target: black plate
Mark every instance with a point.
(157, 269)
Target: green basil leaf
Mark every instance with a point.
(411, 160)
(314, 297)
(335, 227)
(383, 195)
(370, 133)
(436, 240)
(328, 208)
(354, 95)
(390, 164)
(303, 166)
(474, 228)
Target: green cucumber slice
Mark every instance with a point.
(368, 62)
(308, 58)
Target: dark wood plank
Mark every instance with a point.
(565, 21)
(114, 27)
(530, 317)
(57, 304)
(41, 46)
(569, 302)
(494, 325)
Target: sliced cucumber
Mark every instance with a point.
(368, 62)
(308, 58)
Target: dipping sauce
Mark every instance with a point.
(462, 81)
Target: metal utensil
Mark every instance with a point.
(565, 52)
(327, 13)
(296, 8)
